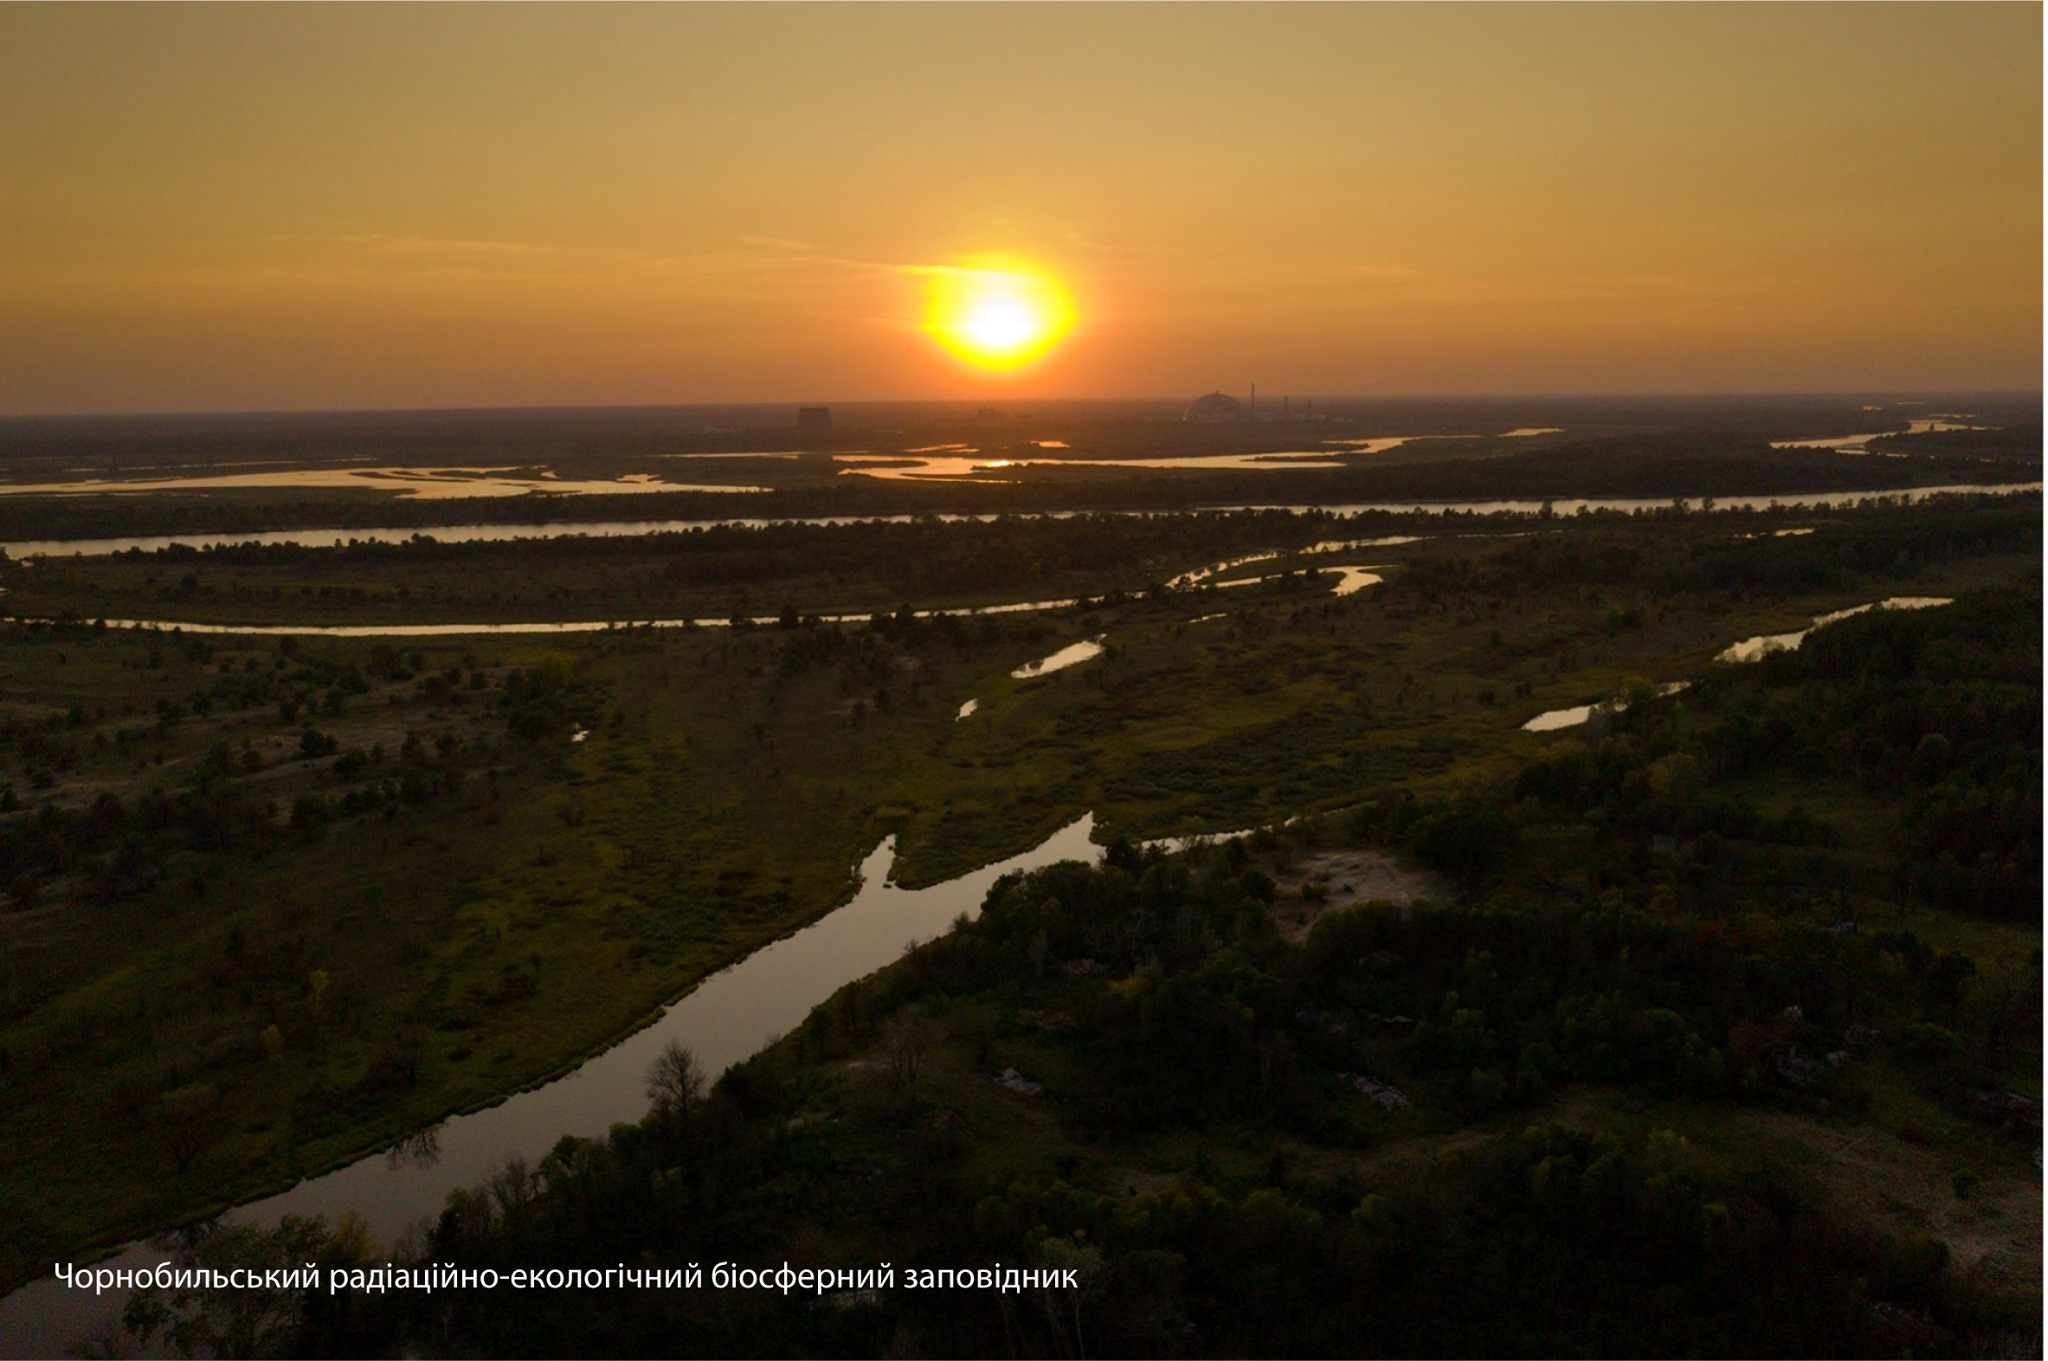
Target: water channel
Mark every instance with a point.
(724, 1019)
(1749, 649)
(1860, 444)
(953, 462)
(422, 484)
(607, 529)
(1556, 719)
(964, 462)
(1349, 580)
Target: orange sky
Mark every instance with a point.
(374, 206)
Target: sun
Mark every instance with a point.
(999, 315)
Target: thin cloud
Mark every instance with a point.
(458, 245)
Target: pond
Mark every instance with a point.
(1073, 654)
(1352, 579)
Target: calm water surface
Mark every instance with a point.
(425, 484)
(957, 462)
(541, 626)
(1349, 579)
(1860, 444)
(1555, 719)
(1749, 649)
(726, 1018)
(731, 1013)
(609, 529)
(1073, 654)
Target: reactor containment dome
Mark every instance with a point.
(1214, 409)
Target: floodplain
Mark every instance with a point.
(277, 901)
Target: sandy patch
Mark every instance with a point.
(1868, 1173)
(1339, 879)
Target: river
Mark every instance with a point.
(420, 484)
(1750, 649)
(724, 1019)
(1860, 444)
(1350, 579)
(608, 529)
(954, 462)
(1555, 719)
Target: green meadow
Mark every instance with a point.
(273, 903)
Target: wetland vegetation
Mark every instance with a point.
(271, 903)
(1682, 1057)
(1065, 457)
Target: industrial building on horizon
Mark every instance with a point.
(1219, 408)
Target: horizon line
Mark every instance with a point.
(160, 413)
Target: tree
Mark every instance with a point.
(1931, 758)
(908, 1038)
(187, 1119)
(1062, 1304)
(257, 1320)
(675, 1084)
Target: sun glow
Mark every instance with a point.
(998, 316)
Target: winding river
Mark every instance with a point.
(1350, 580)
(1749, 649)
(610, 529)
(724, 1019)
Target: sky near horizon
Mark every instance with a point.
(311, 206)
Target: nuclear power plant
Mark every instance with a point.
(1220, 408)
(1217, 408)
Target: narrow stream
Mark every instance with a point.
(1750, 649)
(1555, 719)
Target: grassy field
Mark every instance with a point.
(265, 980)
